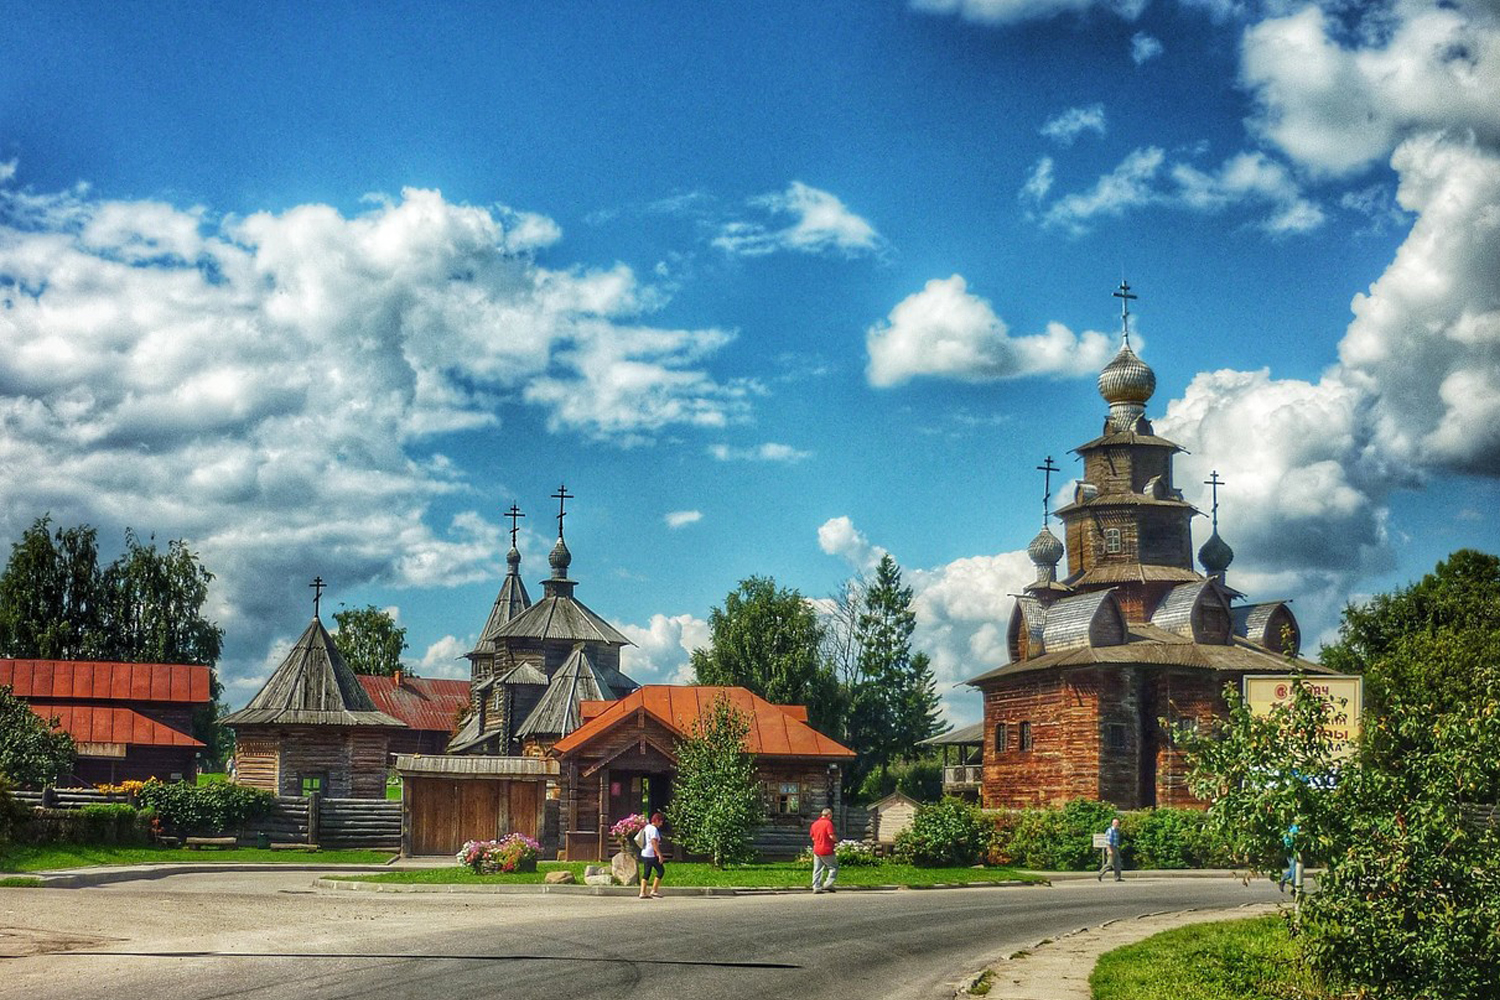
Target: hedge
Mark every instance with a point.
(1060, 839)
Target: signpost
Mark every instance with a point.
(1344, 694)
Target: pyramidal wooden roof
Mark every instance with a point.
(775, 730)
(509, 603)
(312, 687)
(561, 616)
(575, 682)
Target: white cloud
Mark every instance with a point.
(445, 659)
(663, 649)
(1336, 108)
(837, 536)
(1068, 125)
(1039, 181)
(945, 330)
(998, 12)
(820, 223)
(1144, 47)
(769, 451)
(267, 387)
(682, 518)
(1249, 178)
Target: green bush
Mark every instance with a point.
(1052, 839)
(190, 810)
(1171, 838)
(944, 833)
(13, 813)
(112, 823)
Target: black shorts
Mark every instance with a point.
(649, 863)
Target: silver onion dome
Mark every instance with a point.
(1215, 555)
(560, 559)
(1045, 552)
(1126, 383)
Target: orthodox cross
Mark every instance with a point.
(318, 587)
(1214, 481)
(515, 515)
(562, 496)
(1047, 468)
(1124, 296)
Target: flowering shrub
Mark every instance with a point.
(123, 788)
(515, 852)
(853, 853)
(628, 827)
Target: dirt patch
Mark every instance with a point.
(19, 942)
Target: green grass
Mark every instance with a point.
(770, 875)
(1251, 959)
(20, 882)
(211, 778)
(44, 857)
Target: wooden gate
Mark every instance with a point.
(443, 810)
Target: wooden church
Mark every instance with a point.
(1130, 635)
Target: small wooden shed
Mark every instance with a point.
(891, 815)
(448, 800)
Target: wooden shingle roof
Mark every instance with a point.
(561, 616)
(575, 682)
(774, 731)
(312, 687)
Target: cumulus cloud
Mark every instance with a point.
(1000, 12)
(1068, 125)
(819, 223)
(682, 518)
(946, 330)
(663, 648)
(837, 536)
(1139, 180)
(445, 659)
(768, 451)
(1336, 107)
(1144, 47)
(1039, 181)
(268, 387)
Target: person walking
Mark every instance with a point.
(1289, 841)
(1112, 851)
(825, 853)
(651, 858)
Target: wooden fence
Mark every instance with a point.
(334, 824)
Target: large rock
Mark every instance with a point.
(626, 867)
(559, 878)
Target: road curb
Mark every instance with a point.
(538, 889)
(107, 876)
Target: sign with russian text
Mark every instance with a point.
(1344, 694)
(1101, 841)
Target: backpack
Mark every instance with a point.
(640, 838)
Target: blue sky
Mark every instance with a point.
(325, 290)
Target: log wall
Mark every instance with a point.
(351, 761)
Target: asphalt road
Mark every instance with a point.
(263, 936)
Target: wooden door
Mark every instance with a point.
(524, 809)
(446, 812)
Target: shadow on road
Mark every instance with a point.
(409, 956)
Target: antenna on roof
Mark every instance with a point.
(318, 587)
(1124, 296)
(515, 515)
(1047, 468)
(562, 496)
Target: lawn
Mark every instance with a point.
(1231, 960)
(43, 857)
(769, 875)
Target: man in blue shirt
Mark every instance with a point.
(1112, 852)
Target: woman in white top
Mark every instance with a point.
(651, 857)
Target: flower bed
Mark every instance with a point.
(514, 852)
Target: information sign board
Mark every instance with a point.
(1344, 694)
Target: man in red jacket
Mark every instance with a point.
(825, 852)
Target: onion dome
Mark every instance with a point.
(1215, 555)
(1126, 383)
(560, 559)
(513, 559)
(1045, 551)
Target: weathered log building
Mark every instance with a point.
(312, 727)
(1132, 634)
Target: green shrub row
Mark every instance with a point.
(218, 808)
(115, 823)
(953, 832)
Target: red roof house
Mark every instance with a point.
(622, 760)
(129, 720)
(429, 707)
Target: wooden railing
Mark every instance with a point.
(963, 776)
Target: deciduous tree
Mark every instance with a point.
(369, 640)
(51, 595)
(33, 751)
(716, 799)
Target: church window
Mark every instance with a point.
(1025, 736)
(788, 798)
(1112, 540)
(1000, 737)
(1115, 736)
(312, 783)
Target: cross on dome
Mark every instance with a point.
(562, 496)
(1124, 296)
(515, 515)
(1047, 468)
(318, 587)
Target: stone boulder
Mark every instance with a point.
(626, 867)
(598, 875)
(559, 878)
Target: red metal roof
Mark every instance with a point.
(87, 680)
(112, 724)
(775, 730)
(420, 702)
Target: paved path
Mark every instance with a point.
(271, 935)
